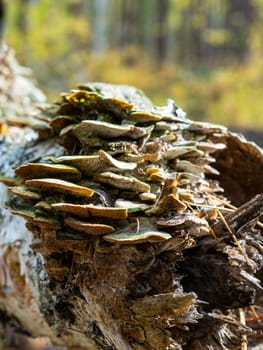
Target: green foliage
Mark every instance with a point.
(231, 96)
(210, 80)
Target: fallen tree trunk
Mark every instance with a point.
(135, 245)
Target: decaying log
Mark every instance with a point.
(134, 244)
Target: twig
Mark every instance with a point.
(190, 207)
(243, 322)
(251, 210)
(223, 201)
(207, 206)
(260, 224)
(74, 330)
(214, 235)
(233, 236)
(254, 313)
(252, 318)
(248, 211)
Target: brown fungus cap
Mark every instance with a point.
(92, 210)
(147, 234)
(122, 182)
(60, 122)
(60, 185)
(141, 117)
(107, 130)
(89, 228)
(24, 192)
(37, 170)
(87, 164)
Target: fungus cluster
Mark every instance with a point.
(124, 166)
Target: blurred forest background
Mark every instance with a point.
(205, 54)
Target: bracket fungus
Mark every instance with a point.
(60, 185)
(36, 170)
(131, 221)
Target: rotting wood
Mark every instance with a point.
(182, 291)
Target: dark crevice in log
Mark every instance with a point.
(216, 282)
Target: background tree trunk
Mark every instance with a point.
(22, 20)
(2, 22)
(239, 21)
(162, 30)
